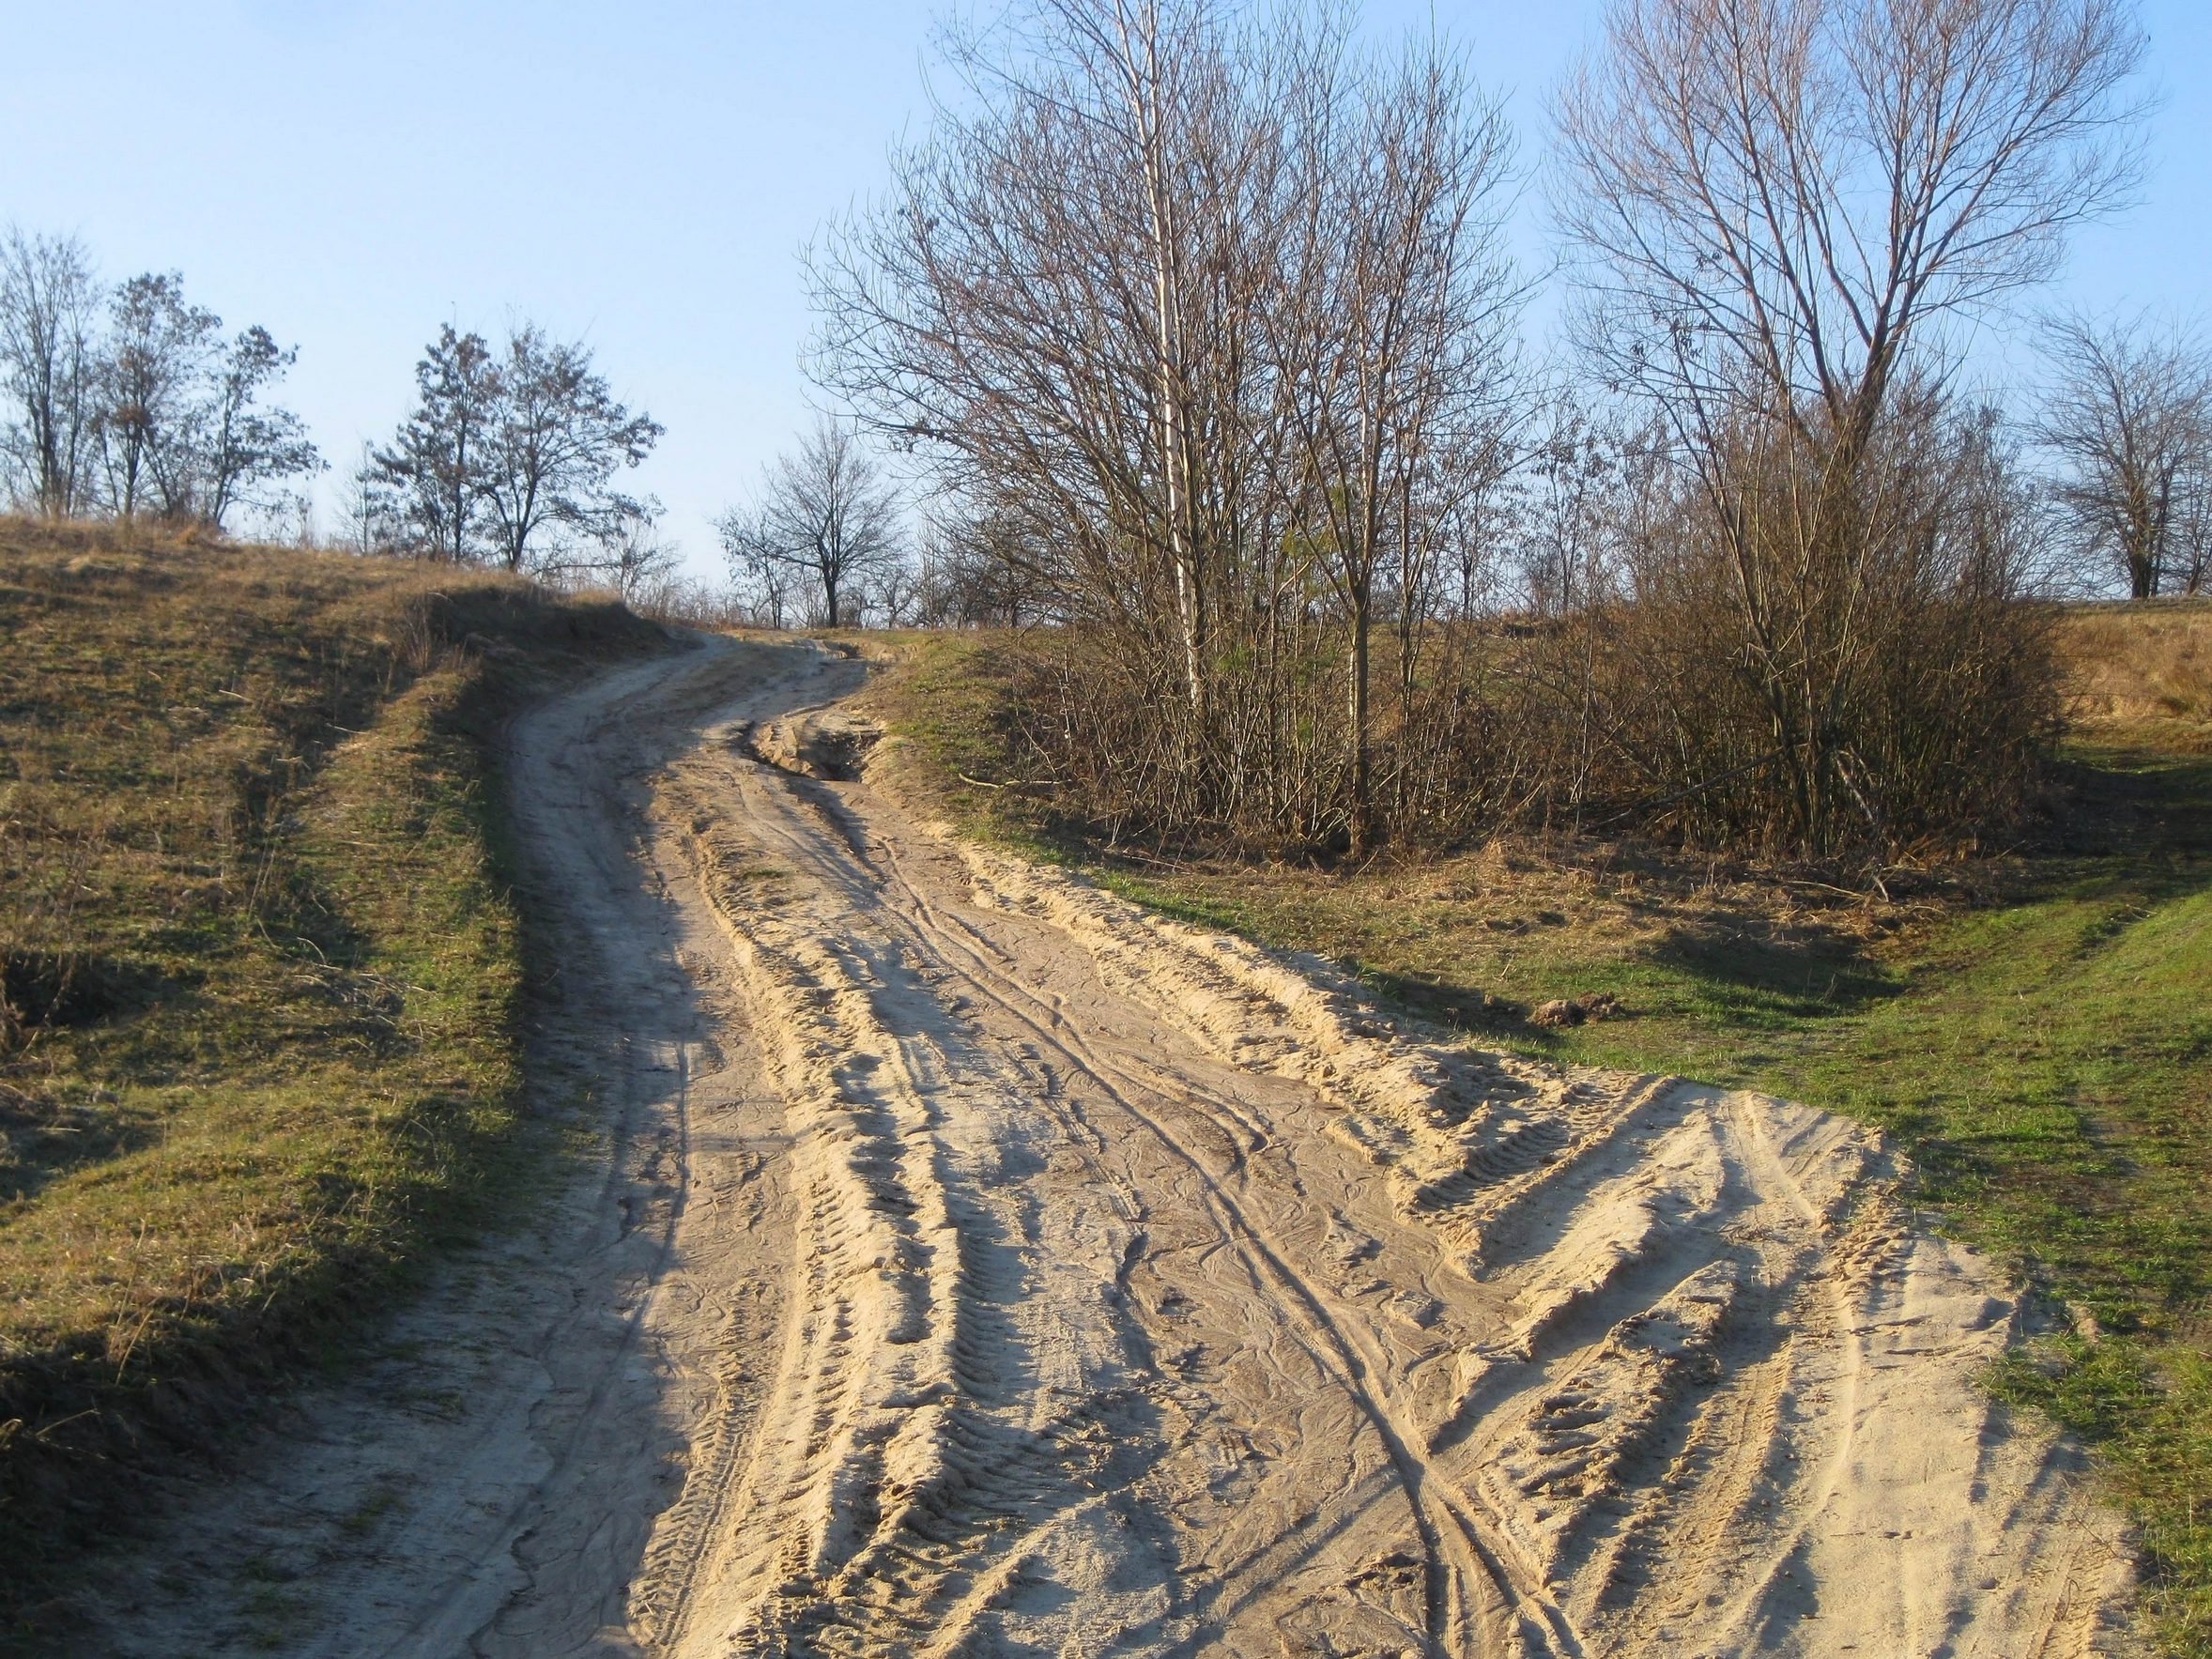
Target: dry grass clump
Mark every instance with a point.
(2140, 666)
(258, 1040)
(1480, 939)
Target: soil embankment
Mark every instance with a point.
(977, 1265)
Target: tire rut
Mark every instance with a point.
(974, 1264)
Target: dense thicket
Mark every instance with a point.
(1734, 681)
(1200, 320)
(1205, 320)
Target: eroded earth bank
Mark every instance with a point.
(974, 1265)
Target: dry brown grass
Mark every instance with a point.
(2141, 669)
(259, 1045)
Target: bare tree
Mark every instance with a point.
(1784, 204)
(2189, 539)
(241, 446)
(49, 305)
(765, 594)
(1059, 298)
(434, 465)
(827, 518)
(173, 417)
(556, 440)
(1399, 352)
(636, 555)
(151, 374)
(1563, 503)
(2131, 420)
(976, 567)
(1208, 306)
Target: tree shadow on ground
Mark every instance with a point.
(1799, 973)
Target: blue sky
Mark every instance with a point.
(352, 175)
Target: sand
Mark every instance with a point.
(964, 1262)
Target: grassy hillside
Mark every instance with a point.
(2141, 672)
(258, 1046)
(2034, 1027)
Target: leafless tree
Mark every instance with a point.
(2131, 421)
(2188, 540)
(1397, 346)
(556, 440)
(1784, 206)
(1060, 302)
(181, 415)
(976, 567)
(368, 509)
(1565, 500)
(827, 518)
(765, 594)
(1207, 306)
(151, 373)
(49, 306)
(173, 416)
(636, 555)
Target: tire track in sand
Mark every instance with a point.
(1633, 1275)
(974, 1263)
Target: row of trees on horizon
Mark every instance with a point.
(128, 400)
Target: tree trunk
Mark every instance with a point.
(1362, 809)
(2143, 572)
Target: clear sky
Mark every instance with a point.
(353, 172)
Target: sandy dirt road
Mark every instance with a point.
(973, 1265)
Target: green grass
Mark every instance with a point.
(946, 704)
(260, 1049)
(2034, 1030)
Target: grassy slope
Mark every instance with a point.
(262, 969)
(2037, 1030)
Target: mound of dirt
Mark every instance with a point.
(828, 742)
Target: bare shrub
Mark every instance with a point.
(1784, 207)
(1920, 687)
(1204, 315)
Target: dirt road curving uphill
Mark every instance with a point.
(978, 1266)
